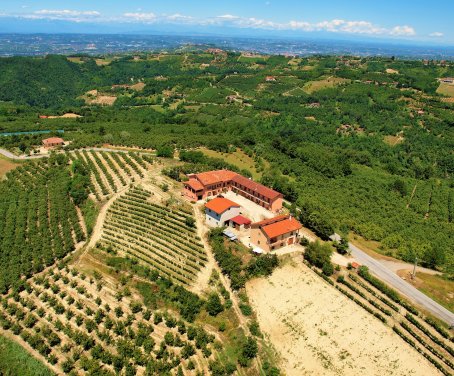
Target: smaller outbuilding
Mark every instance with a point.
(53, 142)
(219, 211)
(240, 222)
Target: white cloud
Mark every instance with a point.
(436, 34)
(67, 13)
(141, 17)
(403, 31)
(362, 27)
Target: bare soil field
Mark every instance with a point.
(446, 89)
(5, 166)
(68, 115)
(392, 71)
(94, 97)
(318, 331)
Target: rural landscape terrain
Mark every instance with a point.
(107, 268)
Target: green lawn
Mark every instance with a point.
(238, 158)
(16, 361)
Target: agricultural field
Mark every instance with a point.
(6, 165)
(329, 82)
(446, 89)
(237, 158)
(121, 302)
(338, 330)
(158, 236)
(111, 172)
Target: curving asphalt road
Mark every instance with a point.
(387, 275)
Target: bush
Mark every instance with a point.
(214, 305)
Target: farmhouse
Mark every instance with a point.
(219, 211)
(270, 79)
(447, 80)
(275, 233)
(211, 183)
(53, 142)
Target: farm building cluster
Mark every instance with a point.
(223, 190)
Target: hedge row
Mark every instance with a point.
(428, 357)
(360, 303)
(423, 329)
(426, 345)
(387, 312)
(371, 291)
(389, 292)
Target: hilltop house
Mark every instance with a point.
(270, 79)
(53, 142)
(207, 184)
(219, 211)
(275, 233)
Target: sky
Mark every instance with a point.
(403, 20)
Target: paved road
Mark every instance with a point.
(387, 275)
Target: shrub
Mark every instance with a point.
(214, 305)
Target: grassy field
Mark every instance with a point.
(6, 165)
(393, 140)
(238, 158)
(16, 361)
(446, 89)
(328, 82)
(438, 288)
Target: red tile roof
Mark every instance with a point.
(279, 225)
(220, 204)
(240, 220)
(194, 184)
(256, 187)
(213, 177)
(270, 220)
(53, 140)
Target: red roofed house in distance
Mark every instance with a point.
(275, 233)
(53, 142)
(207, 184)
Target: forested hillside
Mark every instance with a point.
(362, 145)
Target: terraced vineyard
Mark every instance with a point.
(426, 336)
(111, 171)
(78, 325)
(158, 236)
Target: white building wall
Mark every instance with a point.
(215, 220)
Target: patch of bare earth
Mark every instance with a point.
(94, 97)
(319, 331)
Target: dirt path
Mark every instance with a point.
(212, 264)
(97, 229)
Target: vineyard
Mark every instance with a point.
(39, 221)
(80, 323)
(422, 333)
(161, 237)
(111, 171)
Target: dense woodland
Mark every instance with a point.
(354, 147)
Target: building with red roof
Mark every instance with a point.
(275, 233)
(240, 222)
(219, 211)
(53, 142)
(212, 183)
